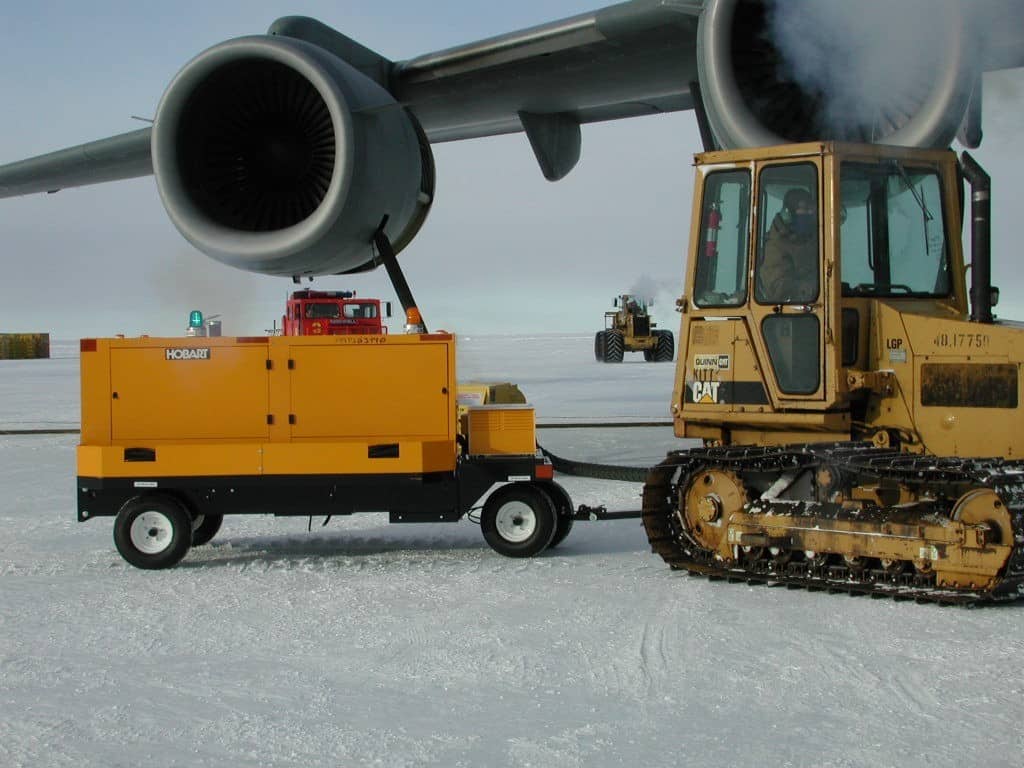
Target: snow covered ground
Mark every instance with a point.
(368, 644)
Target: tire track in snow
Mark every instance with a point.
(651, 650)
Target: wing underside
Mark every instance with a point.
(125, 156)
(635, 58)
(626, 60)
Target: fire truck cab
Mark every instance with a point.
(333, 313)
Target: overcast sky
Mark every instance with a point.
(503, 251)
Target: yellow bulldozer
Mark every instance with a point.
(859, 405)
(629, 329)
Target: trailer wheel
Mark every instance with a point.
(204, 528)
(563, 508)
(518, 520)
(599, 346)
(613, 347)
(665, 351)
(152, 532)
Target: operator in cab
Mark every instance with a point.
(789, 268)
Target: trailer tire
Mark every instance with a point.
(204, 528)
(153, 532)
(599, 346)
(665, 350)
(613, 347)
(563, 508)
(518, 520)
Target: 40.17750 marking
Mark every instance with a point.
(962, 340)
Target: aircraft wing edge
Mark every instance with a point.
(125, 156)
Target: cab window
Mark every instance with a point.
(361, 311)
(788, 252)
(793, 341)
(322, 311)
(892, 236)
(721, 271)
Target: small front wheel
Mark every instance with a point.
(518, 520)
(153, 532)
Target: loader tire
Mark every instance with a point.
(614, 346)
(599, 339)
(665, 351)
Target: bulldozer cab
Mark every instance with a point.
(795, 252)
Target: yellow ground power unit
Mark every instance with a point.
(178, 432)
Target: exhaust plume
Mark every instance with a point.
(646, 288)
(869, 64)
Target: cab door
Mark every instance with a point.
(789, 286)
(719, 273)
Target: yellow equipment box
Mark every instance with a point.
(500, 429)
(277, 405)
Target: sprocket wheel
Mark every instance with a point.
(707, 503)
(982, 506)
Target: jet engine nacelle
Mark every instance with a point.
(909, 86)
(274, 156)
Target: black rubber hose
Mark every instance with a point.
(598, 471)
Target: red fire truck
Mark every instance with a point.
(333, 313)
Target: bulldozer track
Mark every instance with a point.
(860, 463)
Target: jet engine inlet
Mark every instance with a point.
(257, 147)
(775, 71)
(273, 155)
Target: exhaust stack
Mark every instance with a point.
(983, 295)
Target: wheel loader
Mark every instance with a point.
(859, 405)
(629, 329)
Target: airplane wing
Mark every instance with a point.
(125, 156)
(630, 59)
(626, 60)
(623, 61)
(287, 153)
